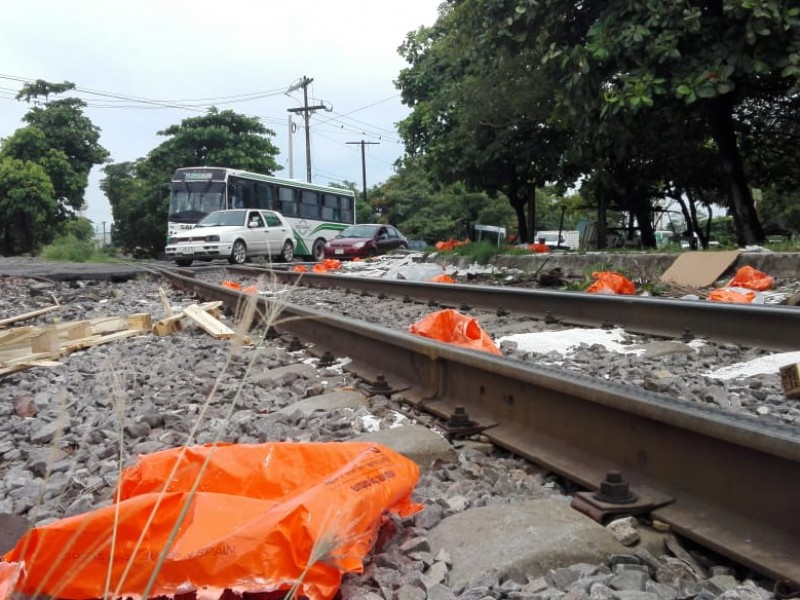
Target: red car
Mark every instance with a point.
(361, 241)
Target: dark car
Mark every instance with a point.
(361, 241)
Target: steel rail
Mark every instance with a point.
(770, 327)
(726, 481)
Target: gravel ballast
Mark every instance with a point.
(60, 431)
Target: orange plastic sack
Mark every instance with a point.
(752, 279)
(609, 282)
(449, 244)
(539, 248)
(299, 269)
(329, 264)
(454, 328)
(442, 279)
(733, 296)
(250, 289)
(264, 517)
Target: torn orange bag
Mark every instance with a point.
(443, 278)
(752, 279)
(451, 326)
(731, 296)
(609, 282)
(264, 516)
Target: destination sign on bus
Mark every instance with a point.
(199, 175)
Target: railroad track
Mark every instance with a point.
(769, 327)
(726, 481)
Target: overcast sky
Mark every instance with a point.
(129, 59)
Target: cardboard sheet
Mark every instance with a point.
(699, 269)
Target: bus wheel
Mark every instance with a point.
(183, 262)
(318, 250)
(238, 253)
(287, 253)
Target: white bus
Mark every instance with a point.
(315, 212)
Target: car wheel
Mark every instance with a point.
(318, 250)
(287, 253)
(238, 253)
(183, 262)
(403, 247)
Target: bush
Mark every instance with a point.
(480, 252)
(68, 248)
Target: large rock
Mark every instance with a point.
(520, 540)
(420, 444)
(325, 402)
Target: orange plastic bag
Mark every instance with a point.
(442, 279)
(299, 269)
(539, 248)
(449, 244)
(329, 264)
(454, 328)
(752, 279)
(609, 282)
(264, 517)
(250, 289)
(733, 296)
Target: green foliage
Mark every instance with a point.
(480, 252)
(637, 100)
(78, 227)
(28, 211)
(68, 248)
(46, 168)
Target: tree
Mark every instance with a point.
(712, 55)
(139, 192)
(468, 117)
(218, 138)
(27, 207)
(61, 139)
(135, 222)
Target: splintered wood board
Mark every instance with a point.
(208, 323)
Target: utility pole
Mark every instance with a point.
(363, 164)
(306, 110)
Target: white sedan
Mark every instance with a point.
(236, 235)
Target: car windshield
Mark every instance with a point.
(223, 218)
(359, 231)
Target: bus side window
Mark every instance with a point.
(247, 192)
(347, 210)
(288, 202)
(330, 208)
(265, 196)
(309, 207)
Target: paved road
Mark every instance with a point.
(36, 267)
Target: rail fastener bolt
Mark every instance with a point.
(380, 387)
(326, 360)
(295, 345)
(615, 490)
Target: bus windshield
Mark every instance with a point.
(190, 201)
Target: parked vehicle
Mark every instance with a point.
(233, 234)
(361, 241)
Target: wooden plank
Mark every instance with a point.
(29, 315)
(208, 323)
(46, 341)
(14, 336)
(171, 324)
(97, 340)
(165, 302)
(140, 321)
